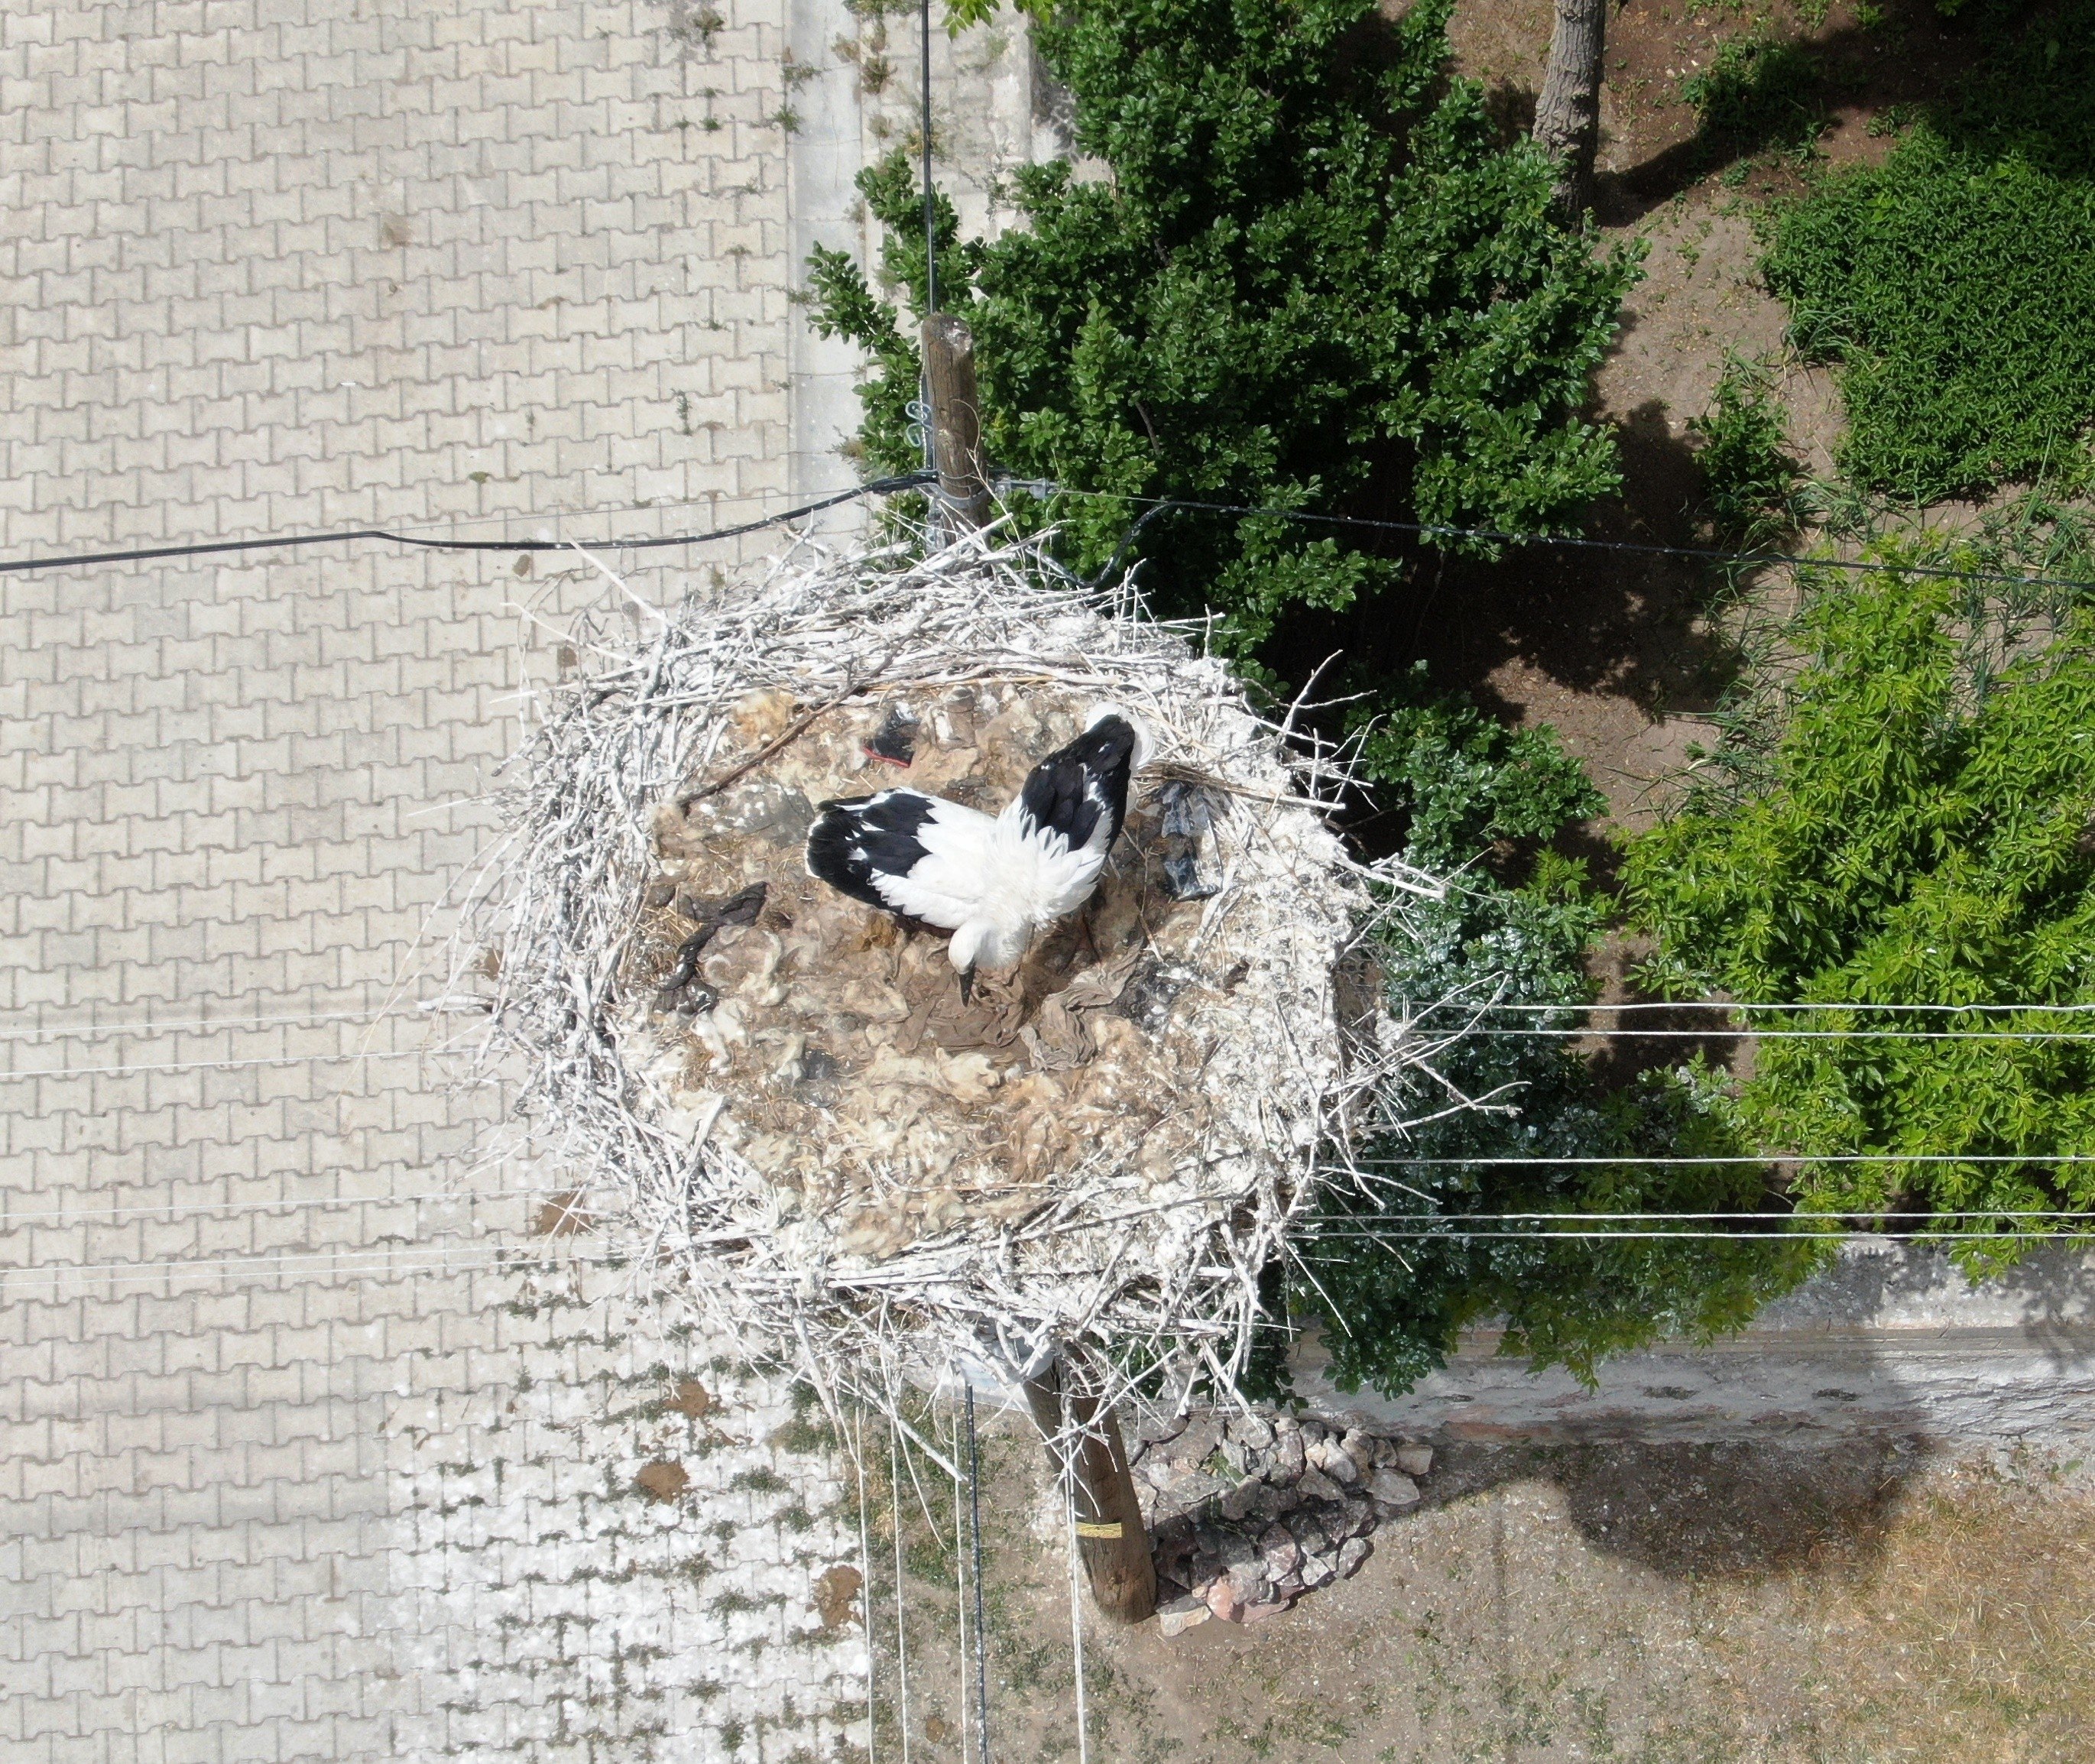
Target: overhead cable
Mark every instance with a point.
(886, 486)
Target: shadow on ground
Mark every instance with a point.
(1694, 1511)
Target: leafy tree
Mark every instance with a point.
(1479, 797)
(1914, 830)
(1311, 279)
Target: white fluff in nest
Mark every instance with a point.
(994, 882)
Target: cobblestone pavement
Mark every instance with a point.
(292, 1464)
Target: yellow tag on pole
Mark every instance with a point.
(1095, 1528)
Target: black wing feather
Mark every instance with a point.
(1074, 785)
(856, 838)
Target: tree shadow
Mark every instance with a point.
(1767, 94)
(1728, 1510)
(1591, 620)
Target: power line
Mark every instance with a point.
(360, 1264)
(1741, 1157)
(231, 1209)
(885, 486)
(1796, 1035)
(1491, 535)
(1730, 1004)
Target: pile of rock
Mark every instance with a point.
(1247, 1513)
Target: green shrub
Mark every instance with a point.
(1750, 478)
(1390, 1308)
(1915, 831)
(1314, 279)
(1955, 284)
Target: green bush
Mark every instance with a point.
(1915, 830)
(1750, 478)
(1313, 280)
(1516, 927)
(1955, 284)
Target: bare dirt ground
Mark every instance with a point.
(1618, 653)
(1720, 1604)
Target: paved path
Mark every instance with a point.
(290, 1466)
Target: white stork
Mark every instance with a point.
(993, 881)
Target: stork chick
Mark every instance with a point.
(994, 881)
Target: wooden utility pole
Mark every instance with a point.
(955, 419)
(1567, 115)
(1111, 1538)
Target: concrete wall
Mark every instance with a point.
(1891, 1338)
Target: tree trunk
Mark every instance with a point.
(956, 419)
(1567, 115)
(1111, 1538)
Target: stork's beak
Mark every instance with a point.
(967, 986)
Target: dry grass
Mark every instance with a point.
(1969, 1632)
(1837, 1604)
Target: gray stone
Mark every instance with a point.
(1314, 1485)
(1414, 1459)
(1336, 1462)
(1280, 1553)
(1180, 1615)
(1228, 1546)
(1156, 1429)
(1196, 1444)
(1273, 1501)
(1255, 1431)
(1285, 1462)
(1304, 1528)
(1351, 1553)
(1393, 1489)
(1187, 1492)
(1317, 1571)
(1237, 1503)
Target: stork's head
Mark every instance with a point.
(986, 943)
(1145, 742)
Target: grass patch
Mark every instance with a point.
(1955, 286)
(1758, 92)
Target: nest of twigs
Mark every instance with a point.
(783, 1094)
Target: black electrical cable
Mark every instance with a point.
(886, 486)
(1429, 530)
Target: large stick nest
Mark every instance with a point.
(781, 1091)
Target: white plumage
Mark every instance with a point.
(994, 881)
